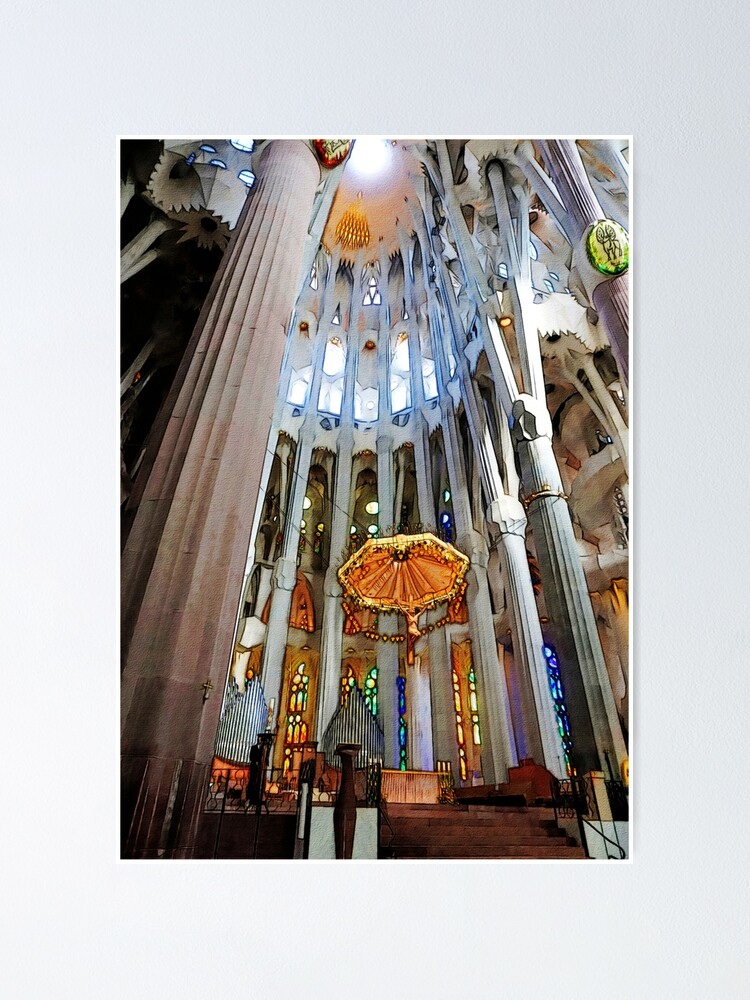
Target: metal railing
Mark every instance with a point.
(575, 798)
(231, 792)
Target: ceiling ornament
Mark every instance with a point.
(352, 232)
(607, 247)
(207, 229)
(331, 152)
(175, 185)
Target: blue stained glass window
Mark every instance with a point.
(217, 163)
(247, 177)
(556, 690)
(402, 753)
(208, 149)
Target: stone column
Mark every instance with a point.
(494, 708)
(284, 579)
(333, 613)
(387, 652)
(610, 296)
(530, 665)
(285, 571)
(589, 700)
(443, 712)
(185, 555)
(419, 715)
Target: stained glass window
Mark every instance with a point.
(558, 699)
(473, 706)
(371, 690)
(296, 727)
(402, 751)
(348, 683)
(298, 691)
(459, 724)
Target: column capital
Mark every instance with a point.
(531, 419)
(508, 514)
(285, 574)
(331, 585)
(475, 547)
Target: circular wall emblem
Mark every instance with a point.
(607, 247)
(331, 151)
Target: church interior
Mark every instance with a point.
(375, 504)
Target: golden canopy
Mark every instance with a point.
(406, 574)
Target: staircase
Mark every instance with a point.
(461, 831)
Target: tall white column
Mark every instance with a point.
(333, 615)
(419, 716)
(444, 740)
(582, 666)
(494, 707)
(530, 663)
(387, 652)
(284, 579)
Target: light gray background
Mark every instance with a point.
(73, 76)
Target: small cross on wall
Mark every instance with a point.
(207, 688)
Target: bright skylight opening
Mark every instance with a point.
(368, 155)
(217, 163)
(244, 143)
(334, 360)
(208, 149)
(247, 177)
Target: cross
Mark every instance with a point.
(207, 687)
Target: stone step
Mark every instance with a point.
(541, 811)
(456, 852)
(472, 822)
(466, 807)
(459, 839)
(404, 809)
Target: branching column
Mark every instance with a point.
(387, 652)
(285, 577)
(582, 665)
(333, 613)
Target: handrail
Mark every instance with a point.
(575, 797)
(603, 835)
